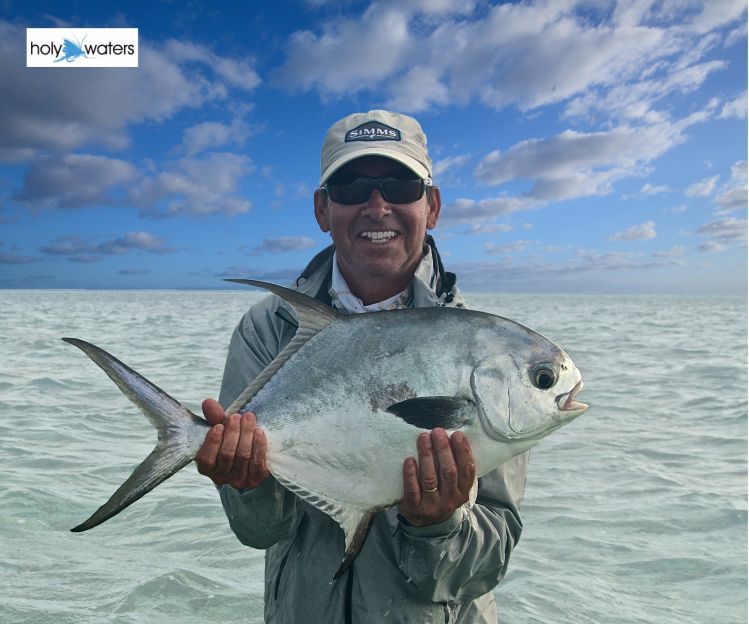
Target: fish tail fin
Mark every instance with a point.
(175, 448)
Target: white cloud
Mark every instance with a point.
(417, 90)
(725, 231)
(11, 257)
(523, 54)
(133, 272)
(78, 249)
(349, 55)
(212, 134)
(567, 157)
(569, 165)
(61, 111)
(142, 241)
(711, 247)
(716, 13)
(675, 252)
(197, 186)
(487, 228)
(509, 248)
(643, 231)
(733, 195)
(649, 189)
(283, 244)
(635, 101)
(448, 165)
(74, 180)
(557, 273)
(478, 211)
(735, 108)
(703, 188)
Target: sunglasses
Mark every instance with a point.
(394, 191)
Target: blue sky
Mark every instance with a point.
(591, 146)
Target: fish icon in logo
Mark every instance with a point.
(71, 51)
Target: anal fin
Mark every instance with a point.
(355, 523)
(355, 538)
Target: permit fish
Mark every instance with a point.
(344, 402)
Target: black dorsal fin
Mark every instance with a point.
(429, 412)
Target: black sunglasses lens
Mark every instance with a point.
(355, 192)
(393, 190)
(402, 191)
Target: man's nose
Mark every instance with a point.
(376, 206)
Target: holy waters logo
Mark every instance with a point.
(76, 47)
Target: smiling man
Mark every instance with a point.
(435, 557)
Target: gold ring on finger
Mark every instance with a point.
(429, 491)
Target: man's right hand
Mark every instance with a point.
(234, 451)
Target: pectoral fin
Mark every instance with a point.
(435, 411)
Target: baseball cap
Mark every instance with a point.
(376, 133)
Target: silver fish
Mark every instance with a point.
(343, 403)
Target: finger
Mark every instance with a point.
(427, 468)
(258, 471)
(448, 471)
(464, 460)
(213, 412)
(411, 485)
(225, 459)
(206, 457)
(243, 453)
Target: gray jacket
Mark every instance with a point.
(404, 574)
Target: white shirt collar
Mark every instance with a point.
(344, 299)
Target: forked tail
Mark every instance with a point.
(180, 433)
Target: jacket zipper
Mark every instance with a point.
(349, 592)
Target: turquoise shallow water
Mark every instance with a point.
(635, 513)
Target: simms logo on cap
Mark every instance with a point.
(373, 131)
(82, 47)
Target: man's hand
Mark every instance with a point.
(234, 451)
(442, 480)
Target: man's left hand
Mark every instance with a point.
(441, 481)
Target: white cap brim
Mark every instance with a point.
(413, 164)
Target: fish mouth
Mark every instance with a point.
(566, 402)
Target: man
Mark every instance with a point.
(433, 558)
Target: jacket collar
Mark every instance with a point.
(315, 281)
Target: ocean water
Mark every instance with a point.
(634, 513)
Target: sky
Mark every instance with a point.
(593, 146)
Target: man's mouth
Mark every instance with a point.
(378, 237)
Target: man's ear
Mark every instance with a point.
(321, 210)
(434, 201)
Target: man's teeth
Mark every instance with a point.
(378, 237)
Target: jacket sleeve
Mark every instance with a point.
(467, 555)
(267, 514)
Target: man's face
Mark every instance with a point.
(377, 239)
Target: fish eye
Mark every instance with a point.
(543, 377)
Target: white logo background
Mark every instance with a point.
(91, 47)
